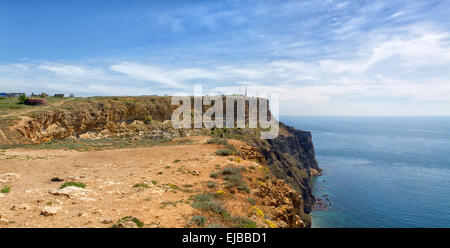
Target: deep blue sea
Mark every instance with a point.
(381, 171)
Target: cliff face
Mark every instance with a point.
(108, 115)
(290, 156)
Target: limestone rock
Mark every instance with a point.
(4, 221)
(70, 191)
(50, 210)
(106, 221)
(22, 206)
(9, 177)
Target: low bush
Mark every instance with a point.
(242, 222)
(5, 190)
(141, 185)
(206, 202)
(75, 184)
(197, 220)
(224, 152)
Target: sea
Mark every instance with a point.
(380, 171)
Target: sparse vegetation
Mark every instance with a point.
(214, 175)
(197, 220)
(242, 222)
(148, 119)
(207, 202)
(141, 185)
(211, 184)
(5, 190)
(224, 152)
(172, 186)
(125, 219)
(251, 201)
(217, 141)
(75, 184)
(228, 150)
(234, 179)
(215, 225)
(23, 99)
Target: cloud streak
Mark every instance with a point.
(335, 55)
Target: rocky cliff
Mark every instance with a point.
(290, 156)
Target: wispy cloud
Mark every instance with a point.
(335, 55)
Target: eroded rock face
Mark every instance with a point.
(291, 156)
(107, 117)
(287, 204)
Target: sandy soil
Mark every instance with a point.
(109, 176)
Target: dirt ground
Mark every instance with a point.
(170, 175)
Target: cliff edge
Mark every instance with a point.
(290, 156)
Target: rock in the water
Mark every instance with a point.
(50, 211)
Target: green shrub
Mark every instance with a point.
(217, 141)
(224, 152)
(242, 222)
(76, 184)
(251, 201)
(233, 177)
(139, 223)
(5, 190)
(197, 220)
(148, 119)
(206, 202)
(23, 99)
(211, 184)
(231, 171)
(213, 175)
(143, 185)
(215, 225)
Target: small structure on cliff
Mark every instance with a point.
(11, 94)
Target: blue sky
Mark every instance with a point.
(321, 57)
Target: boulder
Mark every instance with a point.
(70, 191)
(9, 177)
(50, 210)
